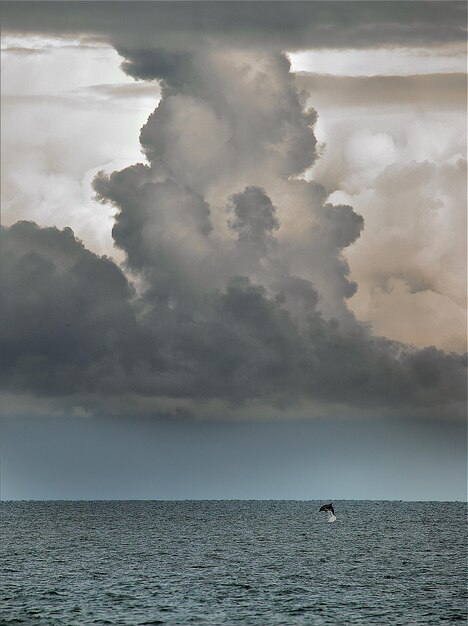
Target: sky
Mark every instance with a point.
(233, 250)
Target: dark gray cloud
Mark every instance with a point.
(66, 314)
(72, 327)
(235, 284)
(291, 25)
(175, 69)
(255, 219)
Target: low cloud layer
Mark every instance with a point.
(233, 296)
(74, 329)
(425, 92)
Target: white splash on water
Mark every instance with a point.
(331, 517)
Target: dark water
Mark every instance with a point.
(232, 562)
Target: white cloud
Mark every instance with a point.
(406, 175)
(68, 111)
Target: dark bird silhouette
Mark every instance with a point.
(328, 507)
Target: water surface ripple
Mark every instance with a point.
(233, 562)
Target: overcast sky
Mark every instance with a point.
(234, 235)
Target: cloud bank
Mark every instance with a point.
(233, 296)
(282, 25)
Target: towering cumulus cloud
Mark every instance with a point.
(233, 297)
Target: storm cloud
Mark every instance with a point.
(290, 25)
(234, 288)
(73, 328)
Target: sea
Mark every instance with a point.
(233, 562)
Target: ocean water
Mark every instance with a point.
(232, 562)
